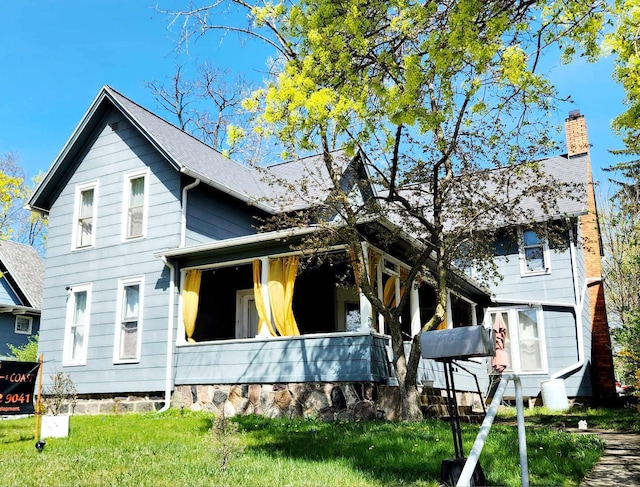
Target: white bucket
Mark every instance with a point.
(554, 394)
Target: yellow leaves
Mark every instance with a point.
(514, 64)
(234, 135)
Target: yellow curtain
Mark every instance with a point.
(282, 277)
(389, 292)
(443, 325)
(263, 319)
(190, 299)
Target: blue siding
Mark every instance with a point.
(107, 158)
(7, 295)
(560, 328)
(557, 286)
(8, 334)
(212, 215)
(308, 358)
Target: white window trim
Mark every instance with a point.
(76, 214)
(449, 312)
(125, 204)
(66, 359)
(515, 366)
(20, 332)
(122, 283)
(546, 255)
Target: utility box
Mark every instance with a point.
(458, 343)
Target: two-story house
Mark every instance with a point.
(158, 284)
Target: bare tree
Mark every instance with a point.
(209, 106)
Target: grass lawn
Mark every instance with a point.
(173, 449)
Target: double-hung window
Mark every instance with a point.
(534, 254)
(77, 325)
(23, 325)
(525, 343)
(135, 205)
(128, 321)
(85, 212)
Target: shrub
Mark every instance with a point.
(27, 352)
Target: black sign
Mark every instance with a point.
(17, 381)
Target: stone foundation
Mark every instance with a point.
(117, 404)
(344, 401)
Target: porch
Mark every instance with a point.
(359, 356)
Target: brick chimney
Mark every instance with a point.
(602, 371)
(575, 127)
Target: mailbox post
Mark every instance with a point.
(446, 346)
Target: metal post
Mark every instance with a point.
(467, 472)
(522, 438)
(452, 406)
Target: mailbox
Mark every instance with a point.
(458, 343)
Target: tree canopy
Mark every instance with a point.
(16, 223)
(624, 43)
(442, 99)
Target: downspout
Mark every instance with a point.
(172, 286)
(169, 366)
(578, 308)
(183, 217)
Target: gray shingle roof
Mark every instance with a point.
(25, 268)
(193, 156)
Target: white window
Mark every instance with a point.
(534, 254)
(77, 325)
(525, 343)
(135, 205)
(461, 311)
(85, 215)
(23, 325)
(128, 321)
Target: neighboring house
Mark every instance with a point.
(21, 278)
(156, 278)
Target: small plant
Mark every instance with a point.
(227, 443)
(61, 395)
(27, 352)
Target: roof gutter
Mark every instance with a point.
(225, 189)
(234, 242)
(19, 310)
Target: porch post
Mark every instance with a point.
(366, 310)
(264, 278)
(414, 303)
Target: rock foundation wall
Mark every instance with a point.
(326, 401)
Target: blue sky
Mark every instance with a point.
(56, 54)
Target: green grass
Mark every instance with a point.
(179, 449)
(623, 419)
